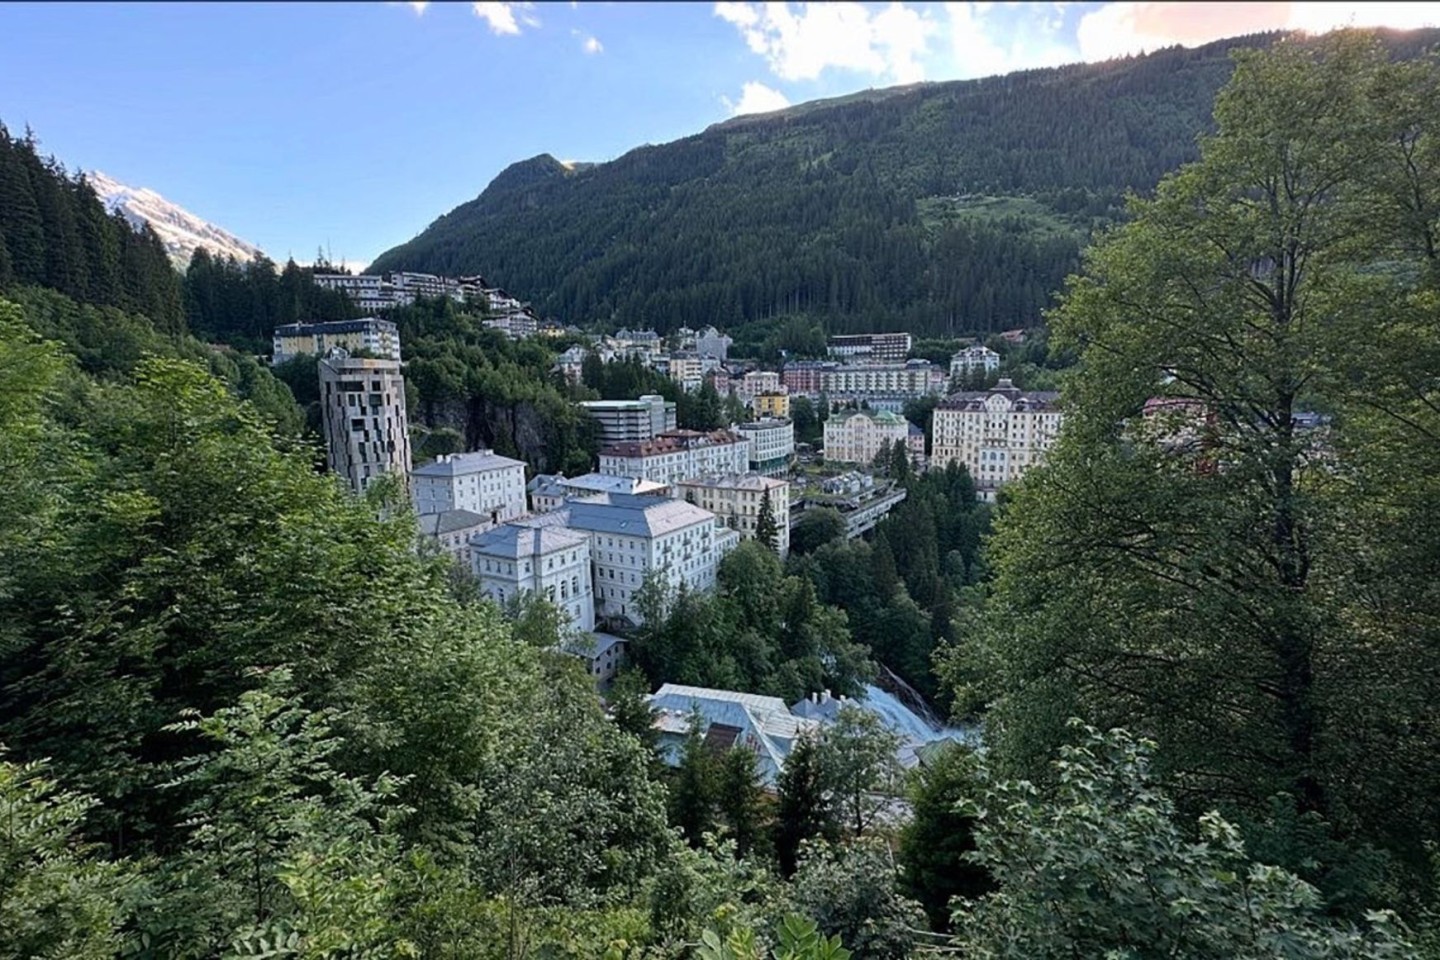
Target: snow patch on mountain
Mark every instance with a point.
(179, 229)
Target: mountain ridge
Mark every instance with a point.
(180, 230)
(850, 211)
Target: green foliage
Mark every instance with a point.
(904, 591)
(767, 531)
(58, 897)
(56, 234)
(1101, 869)
(858, 755)
(806, 808)
(934, 844)
(1250, 593)
(800, 939)
(760, 630)
(816, 527)
(850, 893)
(498, 393)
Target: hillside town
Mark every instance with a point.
(661, 501)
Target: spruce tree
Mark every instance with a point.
(804, 810)
(767, 531)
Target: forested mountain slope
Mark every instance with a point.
(864, 212)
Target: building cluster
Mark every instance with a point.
(402, 288)
(886, 383)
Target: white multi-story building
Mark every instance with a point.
(515, 324)
(367, 434)
(552, 561)
(870, 346)
(627, 421)
(366, 291)
(631, 536)
(712, 343)
(856, 436)
(997, 434)
(914, 378)
(756, 382)
(772, 444)
(685, 369)
(571, 363)
(482, 482)
(452, 530)
(551, 491)
(677, 454)
(973, 360)
(374, 336)
(735, 501)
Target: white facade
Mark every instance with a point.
(735, 501)
(870, 346)
(856, 436)
(972, 360)
(481, 482)
(915, 378)
(630, 536)
(371, 334)
(676, 455)
(772, 445)
(452, 530)
(712, 343)
(756, 382)
(626, 421)
(997, 434)
(367, 434)
(551, 561)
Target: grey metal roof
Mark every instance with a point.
(461, 464)
(512, 541)
(636, 516)
(449, 521)
(609, 483)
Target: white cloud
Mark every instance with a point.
(755, 97)
(801, 41)
(1320, 17)
(979, 50)
(500, 16)
(418, 5)
(588, 43)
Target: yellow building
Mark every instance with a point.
(775, 405)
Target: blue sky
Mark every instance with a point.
(355, 125)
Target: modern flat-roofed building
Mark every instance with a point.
(735, 501)
(998, 434)
(482, 482)
(756, 382)
(771, 405)
(553, 561)
(677, 454)
(374, 336)
(367, 434)
(884, 347)
(627, 421)
(772, 444)
(914, 378)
